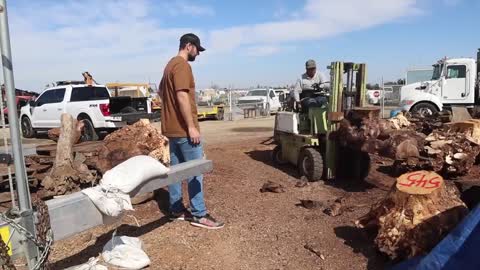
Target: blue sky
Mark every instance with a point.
(248, 42)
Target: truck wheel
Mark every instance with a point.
(424, 109)
(88, 133)
(27, 129)
(128, 109)
(310, 164)
(277, 156)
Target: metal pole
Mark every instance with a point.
(230, 103)
(383, 99)
(24, 200)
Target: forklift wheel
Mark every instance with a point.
(277, 156)
(310, 164)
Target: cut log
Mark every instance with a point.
(54, 133)
(416, 214)
(140, 138)
(67, 173)
(451, 152)
(471, 129)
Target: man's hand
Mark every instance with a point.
(194, 135)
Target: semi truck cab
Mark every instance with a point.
(454, 82)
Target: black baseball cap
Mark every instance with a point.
(193, 39)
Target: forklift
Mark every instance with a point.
(302, 133)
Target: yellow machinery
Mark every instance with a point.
(216, 112)
(303, 136)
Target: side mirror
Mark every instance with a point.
(32, 103)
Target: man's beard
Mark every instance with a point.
(191, 58)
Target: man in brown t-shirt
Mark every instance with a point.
(180, 125)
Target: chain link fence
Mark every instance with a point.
(237, 108)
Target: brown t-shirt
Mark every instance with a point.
(177, 76)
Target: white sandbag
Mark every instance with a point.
(129, 174)
(90, 265)
(126, 252)
(109, 202)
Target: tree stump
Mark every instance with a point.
(416, 214)
(68, 171)
(140, 138)
(54, 133)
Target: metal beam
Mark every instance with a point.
(75, 213)
(361, 85)
(335, 105)
(24, 200)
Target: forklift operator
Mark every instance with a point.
(307, 82)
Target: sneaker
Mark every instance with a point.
(183, 216)
(207, 222)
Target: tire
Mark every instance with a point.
(354, 165)
(220, 115)
(277, 156)
(128, 109)
(88, 133)
(310, 164)
(27, 129)
(424, 109)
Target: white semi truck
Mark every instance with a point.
(455, 82)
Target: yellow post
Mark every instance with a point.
(335, 103)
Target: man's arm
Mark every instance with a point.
(324, 81)
(297, 90)
(186, 111)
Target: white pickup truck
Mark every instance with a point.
(266, 98)
(90, 103)
(455, 82)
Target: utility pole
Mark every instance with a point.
(24, 200)
(383, 99)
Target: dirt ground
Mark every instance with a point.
(262, 231)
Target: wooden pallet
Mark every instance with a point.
(51, 149)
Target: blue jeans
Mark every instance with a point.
(182, 150)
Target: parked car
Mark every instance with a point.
(90, 103)
(20, 101)
(266, 98)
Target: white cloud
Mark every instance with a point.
(125, 40)
(116, 40)
(316, 20)
(179, 7)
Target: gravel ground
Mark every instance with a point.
(263, 230)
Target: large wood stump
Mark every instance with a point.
(140, 138)
(68, 171)
(416, 214)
